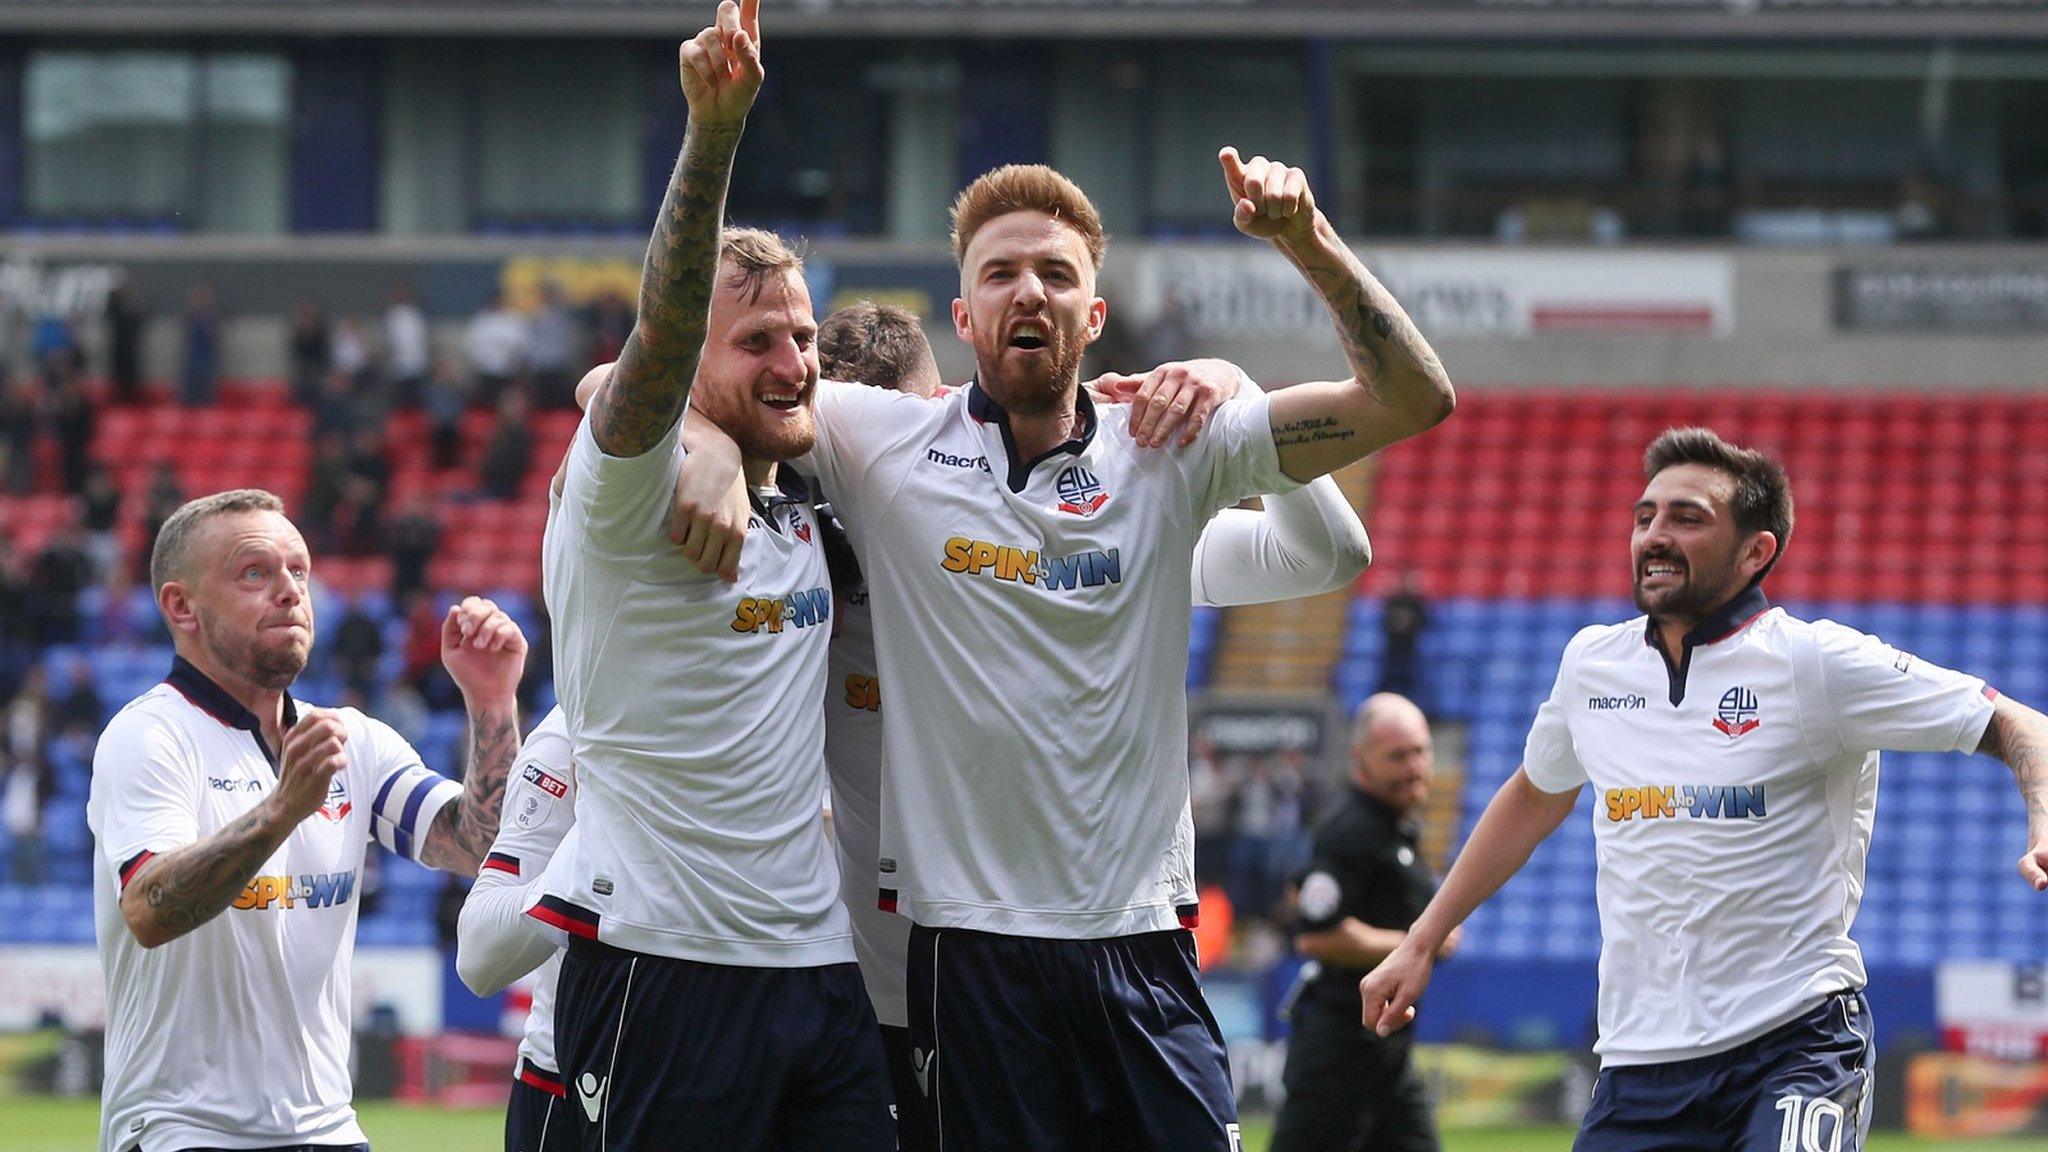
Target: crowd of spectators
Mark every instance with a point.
(76, 583)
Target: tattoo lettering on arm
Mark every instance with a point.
(1315, 430)
(461, 834)
(2018, 735)
(192, 885)
(648, 386)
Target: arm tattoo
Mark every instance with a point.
(192, 885)
(2016, 738)
(1314, 430)
(461, 834)
(1387, 353)
(649, 384)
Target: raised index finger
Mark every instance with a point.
(750, 19)
(1233, 172)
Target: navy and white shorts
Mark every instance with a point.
(660, 1053)
(1804, 1086)
(1034, 1045)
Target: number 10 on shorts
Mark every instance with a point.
(1811, 1124)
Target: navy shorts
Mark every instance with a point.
(656, 1050)
(1804, 1086)
(1035, 1045)
(535, 1120)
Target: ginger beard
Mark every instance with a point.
(759, 371)
(271, 658)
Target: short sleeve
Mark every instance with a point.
(145, 791)
(406, 794)
(1320, 901)
(1235, 457)
(859, 431)
(620, 504)
(1549, 758)
(1885, 700)
(540, 807)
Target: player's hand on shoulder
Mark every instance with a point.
(483, 650)
(1390, 991)
(709, 519)
(721, 67)
(1172, 403)
(314, 750)
(1269, 200)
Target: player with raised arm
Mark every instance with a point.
(709, 986)
(1733, 750)
(497, 944)
(232, 822)
(1029, 568)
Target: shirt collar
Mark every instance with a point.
(1723, 622)
(216, 702)
(984, 408)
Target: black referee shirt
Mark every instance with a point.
(1366, 864)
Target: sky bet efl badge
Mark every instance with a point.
(1737, 714)
(1080, 492)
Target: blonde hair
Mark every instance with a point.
(1027, 188)
(167, 557)
(752, 256)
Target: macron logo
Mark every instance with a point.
(590, 1089)
(921, 1067)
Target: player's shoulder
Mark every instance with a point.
(159, 718)
(844, 399)
(1607, 641)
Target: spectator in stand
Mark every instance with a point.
(312, 353)
(356, 519)
(408, 348)
(611, 318)
(326, 476)
(54, 347)
(446, 397)
(1210, 789)
(99, 504)
(166, 495)
(20, 614)
(427, 676)
(20, 409)
(369, 462)
(494, 343)
(352, 352)
(79, 711)
(63, 570)
(72, 418)
(26, 729)
(510, 449)
(358, 645)
(201, 375)
(126, 317)
(1403, 618)
(1269, 830)
(556, 350)
(410, 539)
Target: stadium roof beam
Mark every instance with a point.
(1376, 20)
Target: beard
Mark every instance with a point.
(1036, 385)
(758, 436)
(1694, 598)
(272, 666)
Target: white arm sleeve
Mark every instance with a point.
(495, 943)
(1549, 758)
(1305, 543)
(1885, 700)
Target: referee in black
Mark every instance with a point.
(1349, 1090)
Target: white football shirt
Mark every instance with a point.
(236, 1034)
(1032, 618)
(494, 940)
(692, 706)
(1733, 802)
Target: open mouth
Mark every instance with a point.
(1662, 569)
(783, 401)
(1029, 336)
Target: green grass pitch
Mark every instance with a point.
(38, 1125)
